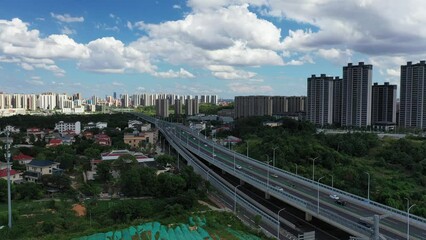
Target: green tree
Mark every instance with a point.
(148, 179)
(29, 191)
(131, 184)
(124, 163)
(164, 159)
(170, 185)
(61, 182)
(103, 170)
(92, 153)
(66, 161)
(3, 190)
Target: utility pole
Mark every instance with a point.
(9, 195)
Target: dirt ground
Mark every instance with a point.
(79, 210)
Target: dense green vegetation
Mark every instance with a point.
(397, 166)
(212, 109)
(27, 121)
(56, 220)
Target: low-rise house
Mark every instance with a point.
(146, 127)
(67, 140)
(134, 124)
(103, 139)
(54, 142)
(91, 175)
(91, 125)
(12, 129)
(272, 124)
(88, 134)
(231, 140)
(115, 154)
(22, 158)
(15, 176)
(36, 132)
(135, 139)
(3, 165)
(37, 168)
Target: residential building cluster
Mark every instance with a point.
(65, 133)
(292, 106)
(12, 104)
(354, 101)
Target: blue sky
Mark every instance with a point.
(223, 47)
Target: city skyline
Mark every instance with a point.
(227, 48)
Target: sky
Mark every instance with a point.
(223, 47)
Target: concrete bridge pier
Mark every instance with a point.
(267, 196)
(308, 217)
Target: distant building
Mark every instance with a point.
(412, 113)
(337, 101)
(356, 95)
(125, 100)
(247, 106)
(162, 108)
(63, 126)
(178, 107)
(279, 105)
(320, 100)
(383, 104)
(191, 107)
(296, 104)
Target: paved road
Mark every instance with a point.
(391, 227)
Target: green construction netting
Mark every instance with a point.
(155, 231)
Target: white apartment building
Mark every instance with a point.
(63, 126)
(47, 101)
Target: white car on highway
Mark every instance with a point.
(334, 196)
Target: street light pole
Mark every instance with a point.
(235, 198)
(233, 153)
(273, 156)
(9, 195)
(368, 186)
(267, 178)
(296, 168)
(313, 168)
(278, 224)
(318, 194)
(247, 148)
(332, 182)
(408, 217)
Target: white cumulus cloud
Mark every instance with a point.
(182, 73)
(66, 18)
